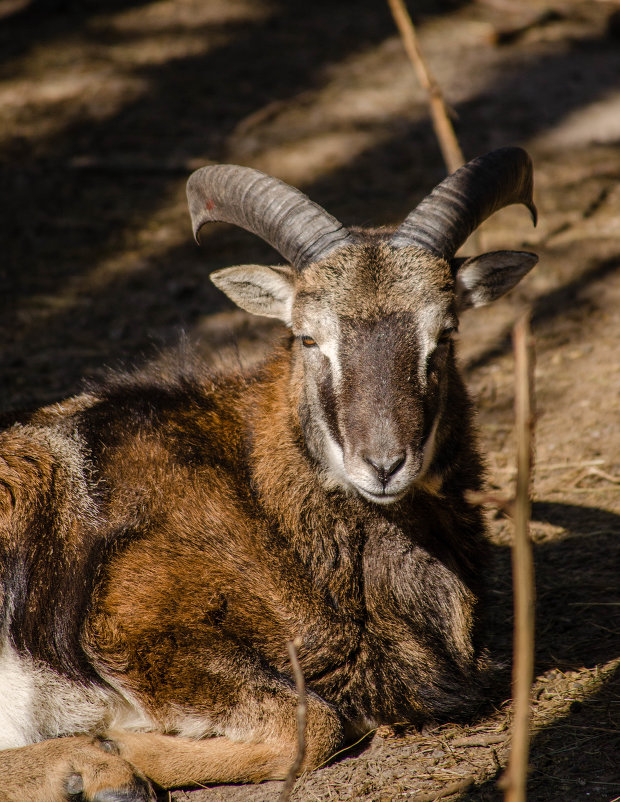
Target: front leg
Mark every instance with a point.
(172, 761)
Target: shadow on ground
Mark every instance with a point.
(60, 223)
(573, 757)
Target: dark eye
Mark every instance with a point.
(440, 352)
(446, 335)
(308, 342)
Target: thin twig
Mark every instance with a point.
(134, 164)
(515, 778)
(444, 130)
(604, 475)
(440, 114)
(480, 740)
(448, 790)
(347, 748)
(300, 684)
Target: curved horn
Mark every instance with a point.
(461, 202)
(284, 217)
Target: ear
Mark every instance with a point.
(485, 278)
(258, 289)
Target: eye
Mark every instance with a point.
(308, 342)
(446, 335)
(439, 353)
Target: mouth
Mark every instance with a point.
(381, 498)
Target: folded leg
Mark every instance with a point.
(265, 753)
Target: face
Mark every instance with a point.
(373, 358)
(374, 338)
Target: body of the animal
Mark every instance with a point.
(161, 540)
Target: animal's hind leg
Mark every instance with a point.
(267, 752)
(77, 767)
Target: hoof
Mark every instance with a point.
(108, 746)
(75, 785)
(139, 791)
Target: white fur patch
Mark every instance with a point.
(431, 322)
(17, 692)
(331, 348)
(36, 703)
(325, 447)
(334, 459)
(189, 725)
(429, 448)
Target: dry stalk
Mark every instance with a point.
(515, 779)
(440, 115)
(448, 790)
(348, 747)
(480, 740)
(444, 130)
(300, 685)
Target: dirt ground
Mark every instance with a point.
(106, 107)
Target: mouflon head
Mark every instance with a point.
(373, 313)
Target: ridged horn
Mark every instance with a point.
(461, 202)
(283, 216)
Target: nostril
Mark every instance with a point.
(386, 467)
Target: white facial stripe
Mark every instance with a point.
(429, 448)
(330, 347)
(334, 458)
(323, 444)
(323, 325)
(329, 343)
(433, 321)
(429, 318)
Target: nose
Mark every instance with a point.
(386, 466)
